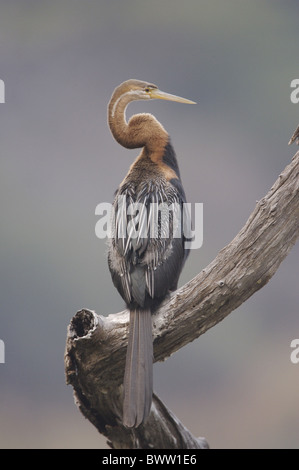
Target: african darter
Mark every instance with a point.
(145, 263)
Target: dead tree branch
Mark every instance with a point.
(295, 137)
(96, 345)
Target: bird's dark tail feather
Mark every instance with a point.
(138, 379)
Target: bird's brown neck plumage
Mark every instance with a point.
(142, 130)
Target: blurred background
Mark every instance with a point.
(60, 62)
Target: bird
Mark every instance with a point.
(145, 260)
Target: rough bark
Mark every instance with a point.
(295, 137)
(96, 345)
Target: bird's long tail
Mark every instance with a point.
(138, 379)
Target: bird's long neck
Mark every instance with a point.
(142, 130)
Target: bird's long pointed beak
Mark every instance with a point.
(161, 95)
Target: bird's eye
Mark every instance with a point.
(147, 89)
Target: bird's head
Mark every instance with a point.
(139, 90)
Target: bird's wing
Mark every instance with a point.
(150, 243)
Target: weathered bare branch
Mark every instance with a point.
(295, 137)
(95, 352)
(99, 395)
